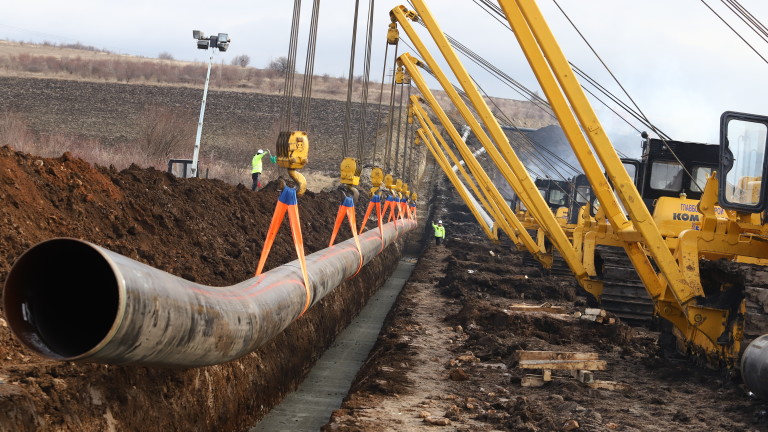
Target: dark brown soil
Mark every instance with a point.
(447, 359)
(202, 230)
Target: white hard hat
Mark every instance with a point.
(260, 151)
(440, 222)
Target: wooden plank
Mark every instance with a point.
(608, 385)
(546, 307)
(532, 381)
(584, 376)
(557, 355)
(595, 311)
(564, 364)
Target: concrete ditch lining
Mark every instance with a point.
(309, 407)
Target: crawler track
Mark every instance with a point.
(623, 292)
(727, 283)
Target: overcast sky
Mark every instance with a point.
(676, 59)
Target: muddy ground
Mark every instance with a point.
(447, 358)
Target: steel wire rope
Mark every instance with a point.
(399, 124)
(290, 68)
(496, 12)
(535, 156)
(350, 82)
(406, 149)
(746, 17)
(538, 147)
(617, 101)
(756, 25)
(378, 111)
(525, 138)
(390, 119)
(363, 131)
(499, 12)
(535, 99)
(290, 73)
(734, 30)
(309, 68)
(610, 72)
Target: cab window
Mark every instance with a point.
(667, 176)
(747, 142)
(632, 171)
(556, 197)
(700, 175)
(583, 194)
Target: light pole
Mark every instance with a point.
(220, 42)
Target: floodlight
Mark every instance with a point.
(197, 34)
(202, 44)
(223, 42)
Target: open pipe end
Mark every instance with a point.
(61, 298)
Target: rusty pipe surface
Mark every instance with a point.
(75, 301)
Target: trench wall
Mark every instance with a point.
(227, 397)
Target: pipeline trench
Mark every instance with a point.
(446, 357)
(146, 215)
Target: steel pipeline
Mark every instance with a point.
(72, 300)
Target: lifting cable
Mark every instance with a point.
(408, 165)
(287, 202)
(390, 120)
(532, 96)
(527, 140)
(290, 72)
(533, 149)
(309, 68)
(496, 13)
(495, 9)
(407, 82)
(399, 125)
(642, 114)
(535, 99)
(350, 81)
(366, 81)
(292, 146)
(757, 30)
(381, 97)
(748, 18)
(536, 157)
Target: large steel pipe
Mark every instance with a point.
(754, 367)
(72, 300)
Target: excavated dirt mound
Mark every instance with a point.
(202, 230)
(448, 357)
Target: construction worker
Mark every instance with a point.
(256, 168)
(439, 232)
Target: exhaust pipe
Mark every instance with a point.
(75, 301)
